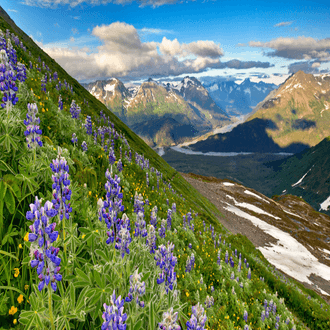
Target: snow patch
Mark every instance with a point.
(300, 180)
(255, 195)
(292, 214)
(228, 184)
(288, 254)
(324, 206)
(109, 88)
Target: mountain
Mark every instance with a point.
(238, 99)
(164, 131)
(82, 263)
(290, 119)
(299, 110)
(188, 103)
(111, 92)
(306, 174)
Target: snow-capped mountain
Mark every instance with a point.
(237, 99)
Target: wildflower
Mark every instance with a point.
(32, 123)
(20, 246)
(162, 229)
(209, 301)
(119, 166)
(169, 321)
(74, 139)
(245, 316)
(43, 235)
(74, 110)
(113, 316)
(153, 216)
(88, 125)
(12, 310)
(60, 103)
(249, 274)
(16, 272)
(190, 263)
(112, 157)
(123, 241)
(26, 286)
(15, 321)
(166, 262)
(84, 146)
(198, 318)
(151, 239)
(137, 288)
(20, 298)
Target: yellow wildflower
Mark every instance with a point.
(16, 272)
(26, 287)
(96, 230)
(20, 298)
(83, 236)
(20, 246)
(26, 237)
(89, 193)
(15, 321)
(187, 294)
(13, 310)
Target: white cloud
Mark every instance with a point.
(145, 31)
(74, 31)
(123, 54)
(73, 3)
(316, 65)
(283, 24)
(13, 10)
(306, 48)
(71, 39)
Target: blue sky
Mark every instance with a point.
(133, 40)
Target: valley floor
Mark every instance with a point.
(310, 266)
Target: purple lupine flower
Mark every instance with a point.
(60, 103)
(198, 318)
(55, 75)
(43, 234)
(209, 302)
(113, 317)
(137, 288)
(74, 110)
(140, 225)
(123, 241)
(112, 157)
(153, 216)
(287, 321)
(112, 206)
(169, 219)
(88, 125)
(61, 190)
(74, 139)
(119, 166)
(277, 325)
(274, 309)
(190, 246)
(162, 229)
(138, 203)
(190, 264)
(147, 179)
(84, 146)
(33, 130)
(95, 137)
(232, 276)
(226, 257)
(212, 288)
(263, 316)
(21, 72)
(7, 81)
(151, 239)
(219, 257)
(169, 321)
(166, 262)
(245, 316)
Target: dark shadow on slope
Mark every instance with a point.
(303, 124)
(250, 136)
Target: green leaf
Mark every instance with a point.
(82, 275)
(145, 276)
(138, 325)
(3, 189)
(9, 254)
(98, 279)
(10, 201)
(151, 316)
(102, 255)
(84, 230)
(56, 297)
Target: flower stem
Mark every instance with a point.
(50, 302)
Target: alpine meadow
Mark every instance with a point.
(97, 231)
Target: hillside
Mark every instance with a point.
(306, 174)
(95, 227)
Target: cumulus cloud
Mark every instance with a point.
(307, 67)
(73, 3)
(123, 54)
(301, 48)
(283, 24)
(199, 48)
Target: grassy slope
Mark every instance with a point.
(82, 171)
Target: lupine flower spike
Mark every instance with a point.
(137, 288)
(169, 321)
(33, 131)
(113, 317)
(198, 318)
(42, 236)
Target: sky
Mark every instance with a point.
(169, 39)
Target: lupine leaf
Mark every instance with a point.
(10, 201)
(151, 316)
(101, 254)
(3, 189)
(138, 325)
